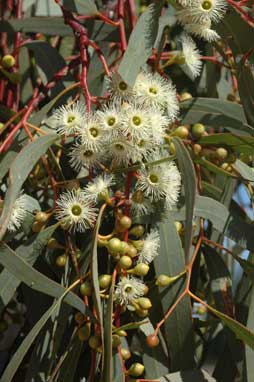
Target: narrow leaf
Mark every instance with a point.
(140, 44)
(19, 171)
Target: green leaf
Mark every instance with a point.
(244, 170)
(190, 189)
(238, 143)
(30, 251)
(47, 58)
(241, 332)
(17, 266)
(178, 327)
(140, 44)
(19, 171)
(207, 208)
(188, 376)
(245, 79)
(95, 278)
(216, 113)
(108, 367)
(250, 325)
(19, 355)
(86, 7)
(44, 25)
(118, 375)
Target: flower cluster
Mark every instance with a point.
(197, 17)
(128, 130)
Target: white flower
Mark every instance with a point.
(197, 11)
(202, 30)
(160, 182)
(151, 246)
(110, 117)
(92, 134)
(122, 151)
(156, 91)
(192, 62)
(118, 89)
(82, 156)
(140, 205)
(159, 123)
(18, 213)
(128, 289)
(98, 188)
(74, 211)
(136, 122)
(70, 118)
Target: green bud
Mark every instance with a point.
(136, 370)
(61, 261)
(126, 354)
(8, 61)
(116, 341)
(94, 342)
(86, 288)
(125, 262)
(198, 130)
(141, 269)
(144, 302)
(105, 281)
(137, 231)
(181, 132)
(84, 332)
(114, 245)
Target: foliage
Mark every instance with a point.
(126, 254)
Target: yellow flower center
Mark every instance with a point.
(76, 210)
(136, 120)
(153, 90)
(71, 118)
(128, 288)
(94, 132)
(153, 178)
(206, 5)
(111, 121)
(119, 147)
(88, 153)
(122, 85)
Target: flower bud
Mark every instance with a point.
(42, 217)
(8, 61)
(185, 96)
(124, 248)
(121, 333)
(163, 280)
(53, 243)
(138, 244)
(114, 245)
(37, 227)
(142, 313)
(197, 149)
(221, 153)
(181, 132)
(144, 302)
(141, 269)
(137, 231)
(105, 281)
(172, 148)
(125, 262)
(198, 130)
(152, 340)
(125, 353)
(132, 252)
(94, 342)
(116, 341)
(178, 226)
(84, 332)
(1, 125)
(136, 370)
(61, 261)
(125, 223)
(86, 288)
